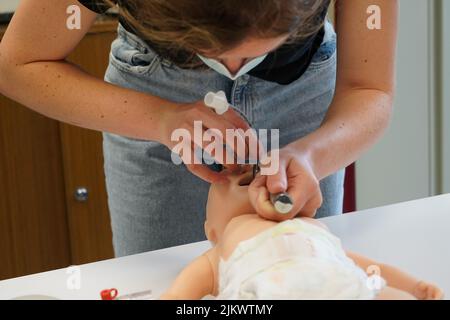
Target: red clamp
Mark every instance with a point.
(109, 294)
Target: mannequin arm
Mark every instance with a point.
(398, 279)
(194, 282)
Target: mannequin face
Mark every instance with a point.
(226, 201)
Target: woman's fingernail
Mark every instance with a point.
(279, 186)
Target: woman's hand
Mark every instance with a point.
(296, 177)
(182, 116)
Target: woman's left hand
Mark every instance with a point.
(296, 177)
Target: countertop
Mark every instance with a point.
(414, 236)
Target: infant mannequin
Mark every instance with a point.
(255, 258)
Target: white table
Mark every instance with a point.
(413, 235)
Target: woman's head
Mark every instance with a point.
(213, 27)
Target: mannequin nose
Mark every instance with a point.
(243, 179)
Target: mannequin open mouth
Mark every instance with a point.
(246, 179)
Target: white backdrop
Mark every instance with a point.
(446, 94)
(8, 5)
(402, 166)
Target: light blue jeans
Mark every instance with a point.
(154, 203)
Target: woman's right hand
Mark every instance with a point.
(182, 116)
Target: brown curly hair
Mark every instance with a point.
(216, 26)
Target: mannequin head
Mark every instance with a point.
(225, 202)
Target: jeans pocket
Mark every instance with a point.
(133, 59)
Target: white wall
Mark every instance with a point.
(8, 5)
(401, 166)
(446, 96)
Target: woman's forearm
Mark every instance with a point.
(64, 92)
(355, 121)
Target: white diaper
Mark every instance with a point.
(293, 260)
